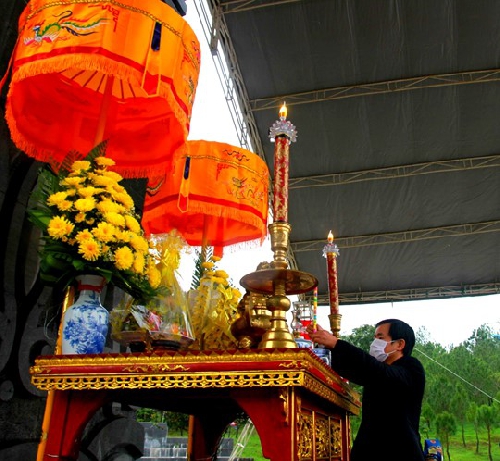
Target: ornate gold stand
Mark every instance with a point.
(278, 281)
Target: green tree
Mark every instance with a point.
(362, 336)
(472, 418)
(428, 416)
(459, 405)
(176, 422)
(488, 416)
(148, 415)
(446, 426)
(439, 391)
(486, 347)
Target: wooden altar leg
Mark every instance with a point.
(275, 421)
(205, 432)
(346, 439)
(71, 412)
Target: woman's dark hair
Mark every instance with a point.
(401, 330)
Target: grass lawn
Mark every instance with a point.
(253, 448)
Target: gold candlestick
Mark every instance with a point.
(275, 279)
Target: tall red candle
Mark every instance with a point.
(331, 252)
(281, 163)
(282, 133)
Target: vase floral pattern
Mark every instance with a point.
(85, 323)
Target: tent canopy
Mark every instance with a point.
(397, 107)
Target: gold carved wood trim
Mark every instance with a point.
(196, 370)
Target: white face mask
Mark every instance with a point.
(377, 349)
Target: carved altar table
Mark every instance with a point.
(300, 407)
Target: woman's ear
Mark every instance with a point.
(401, 345)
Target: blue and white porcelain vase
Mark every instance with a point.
(85, 323)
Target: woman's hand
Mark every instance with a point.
(321, 336)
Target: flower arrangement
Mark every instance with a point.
(214, 307)
(89, 225)
(166, 317)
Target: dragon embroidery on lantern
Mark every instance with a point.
(65, 22)
(249, 187)
(242, 190)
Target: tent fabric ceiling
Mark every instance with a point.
(397, 107)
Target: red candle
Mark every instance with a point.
(315, 308)
(281, 162)
(282, 133)
(331, 252)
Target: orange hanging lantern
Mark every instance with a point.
(84, 71)
(217, 196)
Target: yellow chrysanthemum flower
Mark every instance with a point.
(139, 263)
(88, 191)
(118, 189)
(80, 217)
(221, 273)
(139, 243)
(85, 204)
(123, 236)
(132, 224)
(89, 249)
(84, 235)
(124, 199)
(72, 181)
(113, 176)
(99, 180)
(59, 227)
(154, 276)
(215, 258)
(115, 218)
(218, 280)
(124, 258)
(81, 165)
(108, 206)
(104, 161)
(104, 232)
(57, 198)
(65, 205)
(207, 264)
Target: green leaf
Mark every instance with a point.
(40, 218)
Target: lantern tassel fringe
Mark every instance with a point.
(97, 64)
(218, 212)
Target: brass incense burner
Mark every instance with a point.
(276, 281)
(253, 320)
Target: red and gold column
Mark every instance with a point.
(330, 251)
